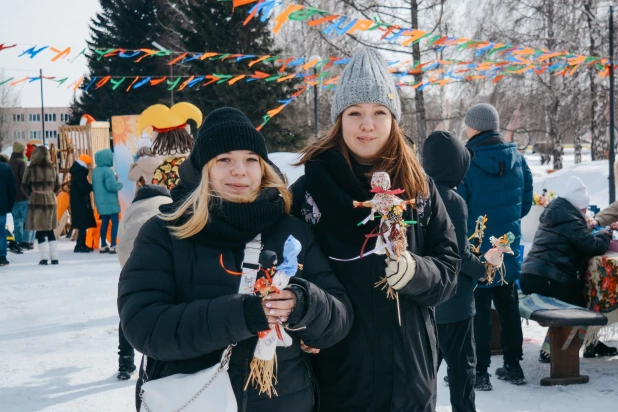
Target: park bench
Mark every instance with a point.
(563, 321)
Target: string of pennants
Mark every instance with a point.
(177, 82)
(490, 68)
(337, 24)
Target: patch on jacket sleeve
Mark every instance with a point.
(423, 210)
(310, 210)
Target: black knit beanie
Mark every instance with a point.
(225, 130)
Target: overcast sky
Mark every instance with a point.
(57, 23)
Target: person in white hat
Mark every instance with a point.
(556, 264)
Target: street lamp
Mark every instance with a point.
(315, 94)
(161, 48)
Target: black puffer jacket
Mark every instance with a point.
(563, 244)
(178, 305)
(446, 161)
(379, 365)
(82, 215)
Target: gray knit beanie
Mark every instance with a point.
(366, 79)
(482, 117)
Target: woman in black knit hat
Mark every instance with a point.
(180, 296)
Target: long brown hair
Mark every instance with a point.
(396, 158)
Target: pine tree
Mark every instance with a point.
(211, 26)
(193, 26)
(129, 24)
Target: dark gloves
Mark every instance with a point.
(254, 314)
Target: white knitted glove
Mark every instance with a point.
(400, 272)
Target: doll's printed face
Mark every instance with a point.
(236, 175)
(366, 127)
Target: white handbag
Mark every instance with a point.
(209, 390)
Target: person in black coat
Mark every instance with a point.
(557, 262)
(7, 200)
(178, 295)
(382, 365)
(446, 161)
(82, 215)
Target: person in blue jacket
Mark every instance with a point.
(106, 186)
(498, 185)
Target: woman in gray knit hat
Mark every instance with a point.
(385, 363)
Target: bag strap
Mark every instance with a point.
(250, 267)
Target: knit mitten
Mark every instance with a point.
(400, 272)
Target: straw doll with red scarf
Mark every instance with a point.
(391, 232)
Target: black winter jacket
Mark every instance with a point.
(82, 215)
(7, 189)
(446, 161)
(179, 307)
(379, 365)
(563, 244)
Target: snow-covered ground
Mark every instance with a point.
(59, 328)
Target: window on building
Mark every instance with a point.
(35, 134)
(51, 134)
(34, 117)
(18, 118)
(50, 117)
(64, 118)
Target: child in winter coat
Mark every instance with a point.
(557, 262)
(82, 215)
(145, 205)
(40, 184)
(106, 187)
(455, 316)
(187, 290)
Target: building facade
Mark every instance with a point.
(24, 124)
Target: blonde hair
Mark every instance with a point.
(396, 158)
(196, 204)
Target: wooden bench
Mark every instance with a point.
(564, 342)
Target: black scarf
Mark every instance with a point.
(334, 186)
(230, 224)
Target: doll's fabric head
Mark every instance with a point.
(381, 180)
